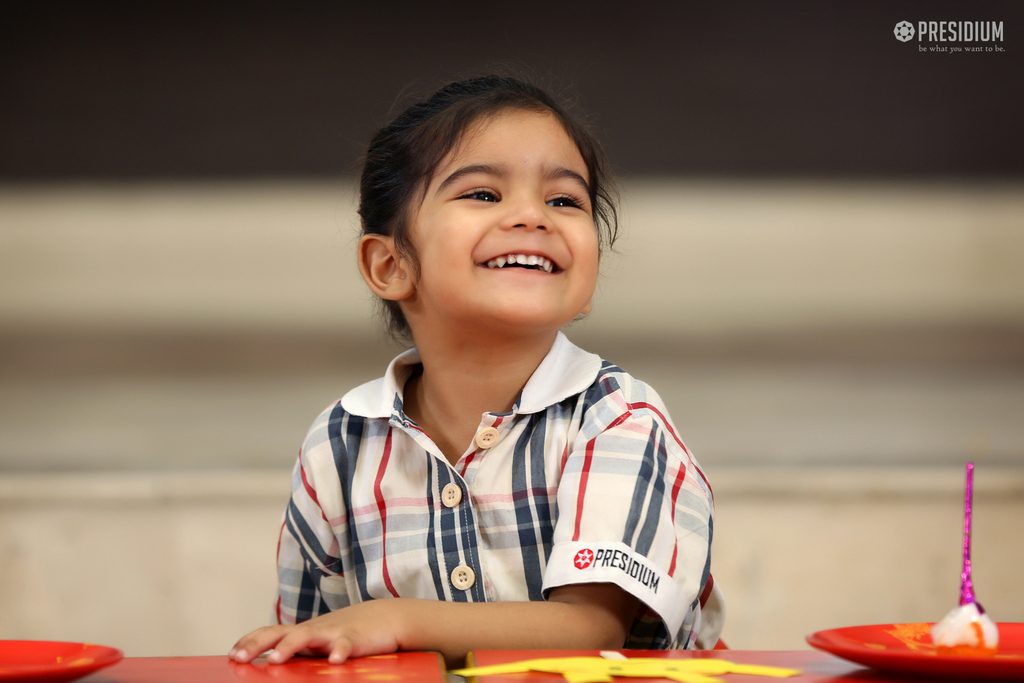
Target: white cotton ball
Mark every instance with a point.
(966, 625)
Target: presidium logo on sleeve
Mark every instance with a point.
(618, 559)
(583, 558)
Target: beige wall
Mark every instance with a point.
(801, 550)
(156, 565)
(695, 258)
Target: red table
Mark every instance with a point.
(406, 666)
(816, 666)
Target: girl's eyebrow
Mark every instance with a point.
(500, 172)
(562, 172)
(473, 168)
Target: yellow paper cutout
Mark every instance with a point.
(600, 670)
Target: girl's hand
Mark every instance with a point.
(368, 628)
(593, 616)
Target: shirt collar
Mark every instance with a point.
(565, 371)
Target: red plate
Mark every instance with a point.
(908, 648)
(39, 661)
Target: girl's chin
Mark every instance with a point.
(516, 316)
(518, 322)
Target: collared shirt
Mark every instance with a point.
(584, 481)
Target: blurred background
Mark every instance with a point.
(821, 270)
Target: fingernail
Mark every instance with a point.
(240, 655)
(274, 656)
(232, 651)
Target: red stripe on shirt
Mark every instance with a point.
(706, 593)
(382, 510)
(310, 491)
(465, 464)
(676, 486)
(585, 475)
(672, 564)
(668, 425)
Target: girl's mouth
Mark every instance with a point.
(532, 262)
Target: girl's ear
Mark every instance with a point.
(387, 274)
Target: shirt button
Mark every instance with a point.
(451, 495)
(486, 437)
(463, 577)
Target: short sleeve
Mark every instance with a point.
(635, 511)
(311, 580)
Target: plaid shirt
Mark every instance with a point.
(584, 481)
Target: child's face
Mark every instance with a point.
(516, 185)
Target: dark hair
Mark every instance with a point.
(403, 156)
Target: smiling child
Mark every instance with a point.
(499, 487)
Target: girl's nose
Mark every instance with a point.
(529, 214)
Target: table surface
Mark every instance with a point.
(406, 666)
(815, 667)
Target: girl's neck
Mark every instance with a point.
(462, 379)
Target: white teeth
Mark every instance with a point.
(522, 259)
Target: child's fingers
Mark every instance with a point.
(341, 650)
(298, 639)
(357, 631)
(254, 644)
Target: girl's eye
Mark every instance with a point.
(481, 195)
(565, 200)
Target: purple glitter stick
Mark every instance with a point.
(966, 586)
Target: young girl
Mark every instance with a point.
(498, 487)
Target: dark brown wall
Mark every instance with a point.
(817, 89)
